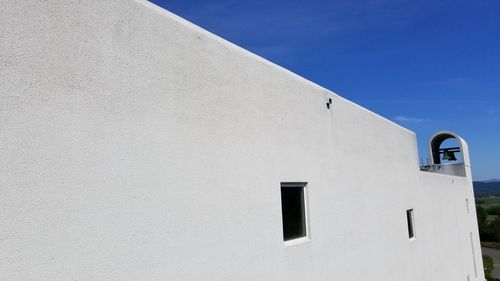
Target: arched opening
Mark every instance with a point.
(446, 149)
(448, 153)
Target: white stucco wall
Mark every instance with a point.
(137, 146)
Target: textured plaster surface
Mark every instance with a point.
(137, 146)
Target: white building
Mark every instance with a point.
(135, 145)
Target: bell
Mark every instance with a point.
(449, 155)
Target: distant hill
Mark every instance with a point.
(492, 180)
(487, 188)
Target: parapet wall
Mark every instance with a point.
(137, 146)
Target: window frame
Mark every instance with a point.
(305, 211)
(410, 221)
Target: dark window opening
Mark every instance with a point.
(411, 226)
(293, 210)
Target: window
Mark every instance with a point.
(411, 224)
(294, 210)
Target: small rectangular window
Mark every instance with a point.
(411, 224)
(293, 207)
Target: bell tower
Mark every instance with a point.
(446, 159)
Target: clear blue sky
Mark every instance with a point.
(427, 65)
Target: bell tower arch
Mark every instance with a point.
(449, 154)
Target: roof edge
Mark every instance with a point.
(248, 53)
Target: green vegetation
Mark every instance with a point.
(491, 205)
(489, 230)
(489, 202)
(488, 218)
(489, 225)
(494, 245)
(488, 268)
(486, 189)
(488, 265)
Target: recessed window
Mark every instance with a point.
(294, 210)
(411, 223)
